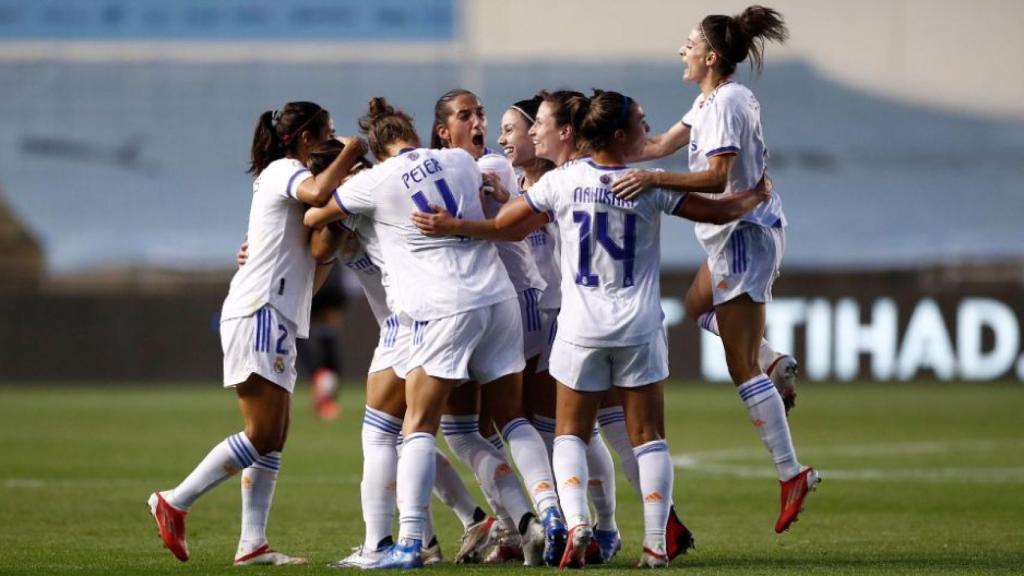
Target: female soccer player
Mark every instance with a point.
(453, 291)
(610, 330)
(266, 309)
(727, 153)
(358, 247)
(460, 122)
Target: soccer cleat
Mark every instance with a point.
(432, 553)
(576, 548)
(783, 372)
(474, 541)
(505, 545)
(266, 556)
(604, 546)
(325, 391)
(171, 523)
(794, 493)
(653, 557)
(554, 535)
(533, 544)
(406, 554)
(678, 538)
(361, 557)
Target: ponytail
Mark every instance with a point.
(735, 38)
(383, 124)
(277, 132)
(596, 119)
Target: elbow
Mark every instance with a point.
(321, 252)
(321, 198)
(310, 221)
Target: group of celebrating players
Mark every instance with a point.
(518, 300)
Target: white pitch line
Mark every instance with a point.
(720, 462)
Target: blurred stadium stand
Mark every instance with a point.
(129, 170)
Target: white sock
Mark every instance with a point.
(546, 428)
(416, 471)
(601, 486)
(769, 417)
(656, 483)
(380, 467)
(613, 429)
(531, 458)
(451, 490)
(258, 483)
(226, 459)
(570, 458)
(765, 354)
(495, 440)
(497, 479)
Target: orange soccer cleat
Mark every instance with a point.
(794, 493)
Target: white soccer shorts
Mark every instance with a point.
(598, 369)
(534, 336)
(481, 345)
(550, 331)
(393, 346)
(749, 264)
(263, 344)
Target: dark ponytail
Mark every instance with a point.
(596, 119)
(277, 132)
(735, 38)
(383, 125)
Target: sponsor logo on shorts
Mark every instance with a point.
(279, 365)
(654, 497)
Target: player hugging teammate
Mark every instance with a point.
(506, 285)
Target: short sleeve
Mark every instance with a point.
(690, 116)
(723, 128)
(540, 196)
(295, 179)
(356, 196)
(667, 201)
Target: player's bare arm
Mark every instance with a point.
(710, 181)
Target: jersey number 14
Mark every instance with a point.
(625, 253)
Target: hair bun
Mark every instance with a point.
(379, 107)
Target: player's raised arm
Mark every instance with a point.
(664, 144)
(317, 190)
(724, 210)
(710, 181)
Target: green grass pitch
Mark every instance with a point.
(919, 478)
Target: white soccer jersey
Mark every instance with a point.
(730, 121)
(611, 256)
(368, 265)
(432, 277)
(280, 268)
(522, 269)
(543, 243)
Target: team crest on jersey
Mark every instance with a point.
(279, 365)
(412, 156)
(606, 179)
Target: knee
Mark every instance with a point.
(266, 438)
(643, 432)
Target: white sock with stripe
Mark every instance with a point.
(601, 486)
(258, 483)
(769, 417)
(613, 428)
(497, 480)
(545, 426)
(765, 354)
(226, 459)
(531, 458)
(416, 472)
(656, 482)
(451, 490)
(570, 460)
(380, 467)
